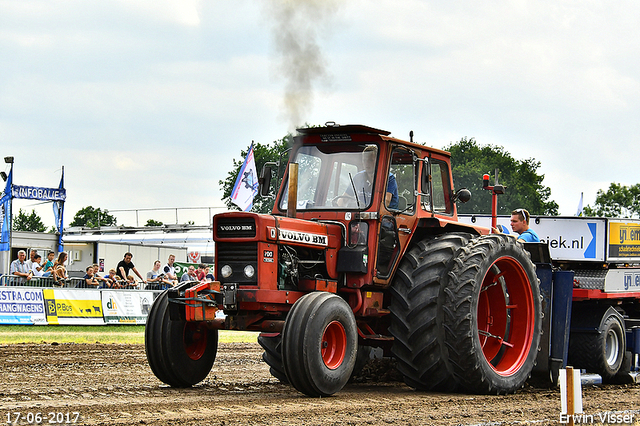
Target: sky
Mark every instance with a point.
(147, 102)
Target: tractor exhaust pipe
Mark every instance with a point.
(292, 199)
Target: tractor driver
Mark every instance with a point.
(363, 181)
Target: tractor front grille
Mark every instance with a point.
(237, 256)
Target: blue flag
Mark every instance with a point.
(58, 210)
(246, 186)
(5, 214)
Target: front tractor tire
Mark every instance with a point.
(272, 355)
(319, 344)
(492, 315)
(180, 353)
(415, 317)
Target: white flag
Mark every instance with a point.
(246, 186)
(580, 208)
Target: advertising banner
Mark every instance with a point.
(22, 306)
(126, 307)
(36, 193)
(73, 306)
(569, 238)
(624, 240)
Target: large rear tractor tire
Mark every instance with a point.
(492, 316)
(603, 352)
(319, 344)
(415, 314)
(272, 355)
(180, 353)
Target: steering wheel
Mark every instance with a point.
(351, 200)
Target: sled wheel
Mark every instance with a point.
(180, 353)
(415, 315)
(492, 315)
(319, 344)
(602, 352)
(272, 355)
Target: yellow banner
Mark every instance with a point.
(624, 239)
(61, 305)
(624, 233)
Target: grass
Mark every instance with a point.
(126, 334)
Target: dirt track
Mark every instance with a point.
(113, 385)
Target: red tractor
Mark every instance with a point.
(363, 249)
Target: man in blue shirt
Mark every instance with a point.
(520, 224)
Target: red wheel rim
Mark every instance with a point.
(334, 345)
(195, 340)
(506, 316)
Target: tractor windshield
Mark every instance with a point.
(328, 175)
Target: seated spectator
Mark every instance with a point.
(90, 280)
(208, 276)
(200, 274)
(170, 271)
(111, 280)
(59, 271)
(97, 276)
(20, 269)
(156, 279)
(190, 275)
(130, 283)
(32, 257)
(48, 265)
(37, 270)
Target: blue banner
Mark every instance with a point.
(35, 193)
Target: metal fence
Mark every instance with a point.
(49, 282)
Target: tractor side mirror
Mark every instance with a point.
(265, 181)
(463, 195)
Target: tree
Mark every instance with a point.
(262, 154)
(91, 217)
(24, 222)
(152, 222)
(619, 201)
(523, 184)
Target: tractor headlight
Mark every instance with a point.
(226, 271)
(249, 271)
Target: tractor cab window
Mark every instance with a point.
(328, 174)
(436, 187)
(400, 195)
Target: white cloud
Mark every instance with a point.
(155, 98)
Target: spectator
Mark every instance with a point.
(111, 280)
(190, 275)
(123, 268)
(208, 277)
(200, 274)
(48, 265)
(59, 271)
(100, 279)
(36, 269)
(90, 280)
(20, 269)
(170, 271)
(32, 257)
(156, 278)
